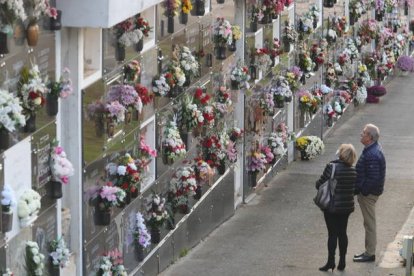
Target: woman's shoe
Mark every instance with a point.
(341, 265)
(328, 266)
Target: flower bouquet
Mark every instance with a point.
(304, 27)
(112, 264)
(239, 76)
(115, 114)
(127, 34)
(107, 197)
(189, 64)
(143, 25)
(127, 96)
(213, 148)
(125, 175)
(31, 91)
(59, 253)
(222, 35)
(163, 84)
(132, 71)
(405, 63)
(10, 11)
(28, 207)
(141, 236)
(256, 162)
(330, 76)
(275, 48)
(355, 11)
(145, 156)
(281, 91)
(191, 115)
(183, 184)
(172, 144)
(156, 217)
(305, 62)
(309, 146)
(262, 60)
(12, 117)
(237, 35)
(267, 104)
(293, 76)
(202, 172)
(34, 259)
(256, 15)
(368, 30)
(235, 134)
(177, 74)
(186, 7)
(61, 88)
(289, 36)
(8, 201)
(144, 94)
(171, 7)
(277, 146)
(305, 100)
(61, 169)
(223, 102)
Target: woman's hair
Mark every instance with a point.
(346, 153)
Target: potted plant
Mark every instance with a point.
(28, 207)
(34, 259)
(144, 26)
(126, 175)
(239, 76)
(10, 11)
(126, 34)
(189, 64)
(61, 169)
(156, 216)
(142, 239)
(111, 263)
(222, 36)
(58, 89)
(405, 63)
(309, 146)
(186, 7)
(31, 91)
(171, 9)
(182, 185)
(107, 197)
(59, 256)
(10, 120)
(172, 144)
(127, 96)
(132, 72)
(8, 201)
(256, 162)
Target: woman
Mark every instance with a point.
(336, 217)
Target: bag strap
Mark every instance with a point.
(333, 171)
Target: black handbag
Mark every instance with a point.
(326, 192)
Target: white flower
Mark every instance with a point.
(121, 170)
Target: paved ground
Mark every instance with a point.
(281, 232)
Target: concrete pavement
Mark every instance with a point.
(281, 232)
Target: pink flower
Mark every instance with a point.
(65, 179)
(58, 150)
(53, 12)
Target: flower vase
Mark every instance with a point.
(139, 252)
(329, 122)
(288, 99)
(52, 104)
(140, 45)
(235, 85)
(55, 189)
(167, 160)
(328, 3)
(221, 52)
(200, 9)
(56, 24)
(30, 124)
(253, 26)
(303, 79)
(252, 72)
(155, 235)
(185, 138)
(54, 270)
(119, 52)
(102, 217)
(110, 128)
(275, 15)
(187, 80)
(280, 104)
(209, 60)
(379, 15)
(135, 193)
(221, 169)
(265, 19)
(232, 47)
(198, 193)
(4, 139)
(19, 33)
(128, 117)
(406, 8)
(3, 44)
(170, 24)
(6, 221)
(316, 68)
(220, 1)
(351, 19)
(304, 156)
(32, 34)
(183, 18)
(252, 179)
(286, 46)
(184, 209)
(315, 22)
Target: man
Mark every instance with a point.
(369, 186)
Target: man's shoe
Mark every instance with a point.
(359, 255)
(364, 258)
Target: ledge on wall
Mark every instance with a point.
(100, 13)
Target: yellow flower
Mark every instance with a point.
(301, 142)
(304, 99)
(236, 32)
(290, 75)
(187, 6)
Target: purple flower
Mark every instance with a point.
(108, 193)
(125, 94)
(405, 63)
